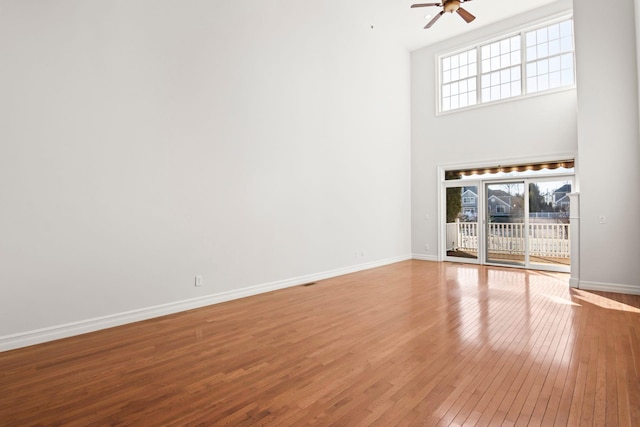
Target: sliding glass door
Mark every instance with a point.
(461, 233)
(549, 218)
(518, 222)
(505, 223)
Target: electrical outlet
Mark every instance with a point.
(602, 219)
(427, 247)
(198, 281)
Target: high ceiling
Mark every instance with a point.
(407, 24)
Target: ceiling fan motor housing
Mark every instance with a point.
(451, 6)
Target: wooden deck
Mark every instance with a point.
(498, 257)
(413, 343)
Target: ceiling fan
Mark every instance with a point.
(447, 6)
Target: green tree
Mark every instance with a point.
(537, 203)
(454, 203)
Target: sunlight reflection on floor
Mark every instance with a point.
(560, 300)
(603, 302)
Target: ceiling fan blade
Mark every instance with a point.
(433, 21)
(426, 4)
(465, 15)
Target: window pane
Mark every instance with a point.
(505, 60)
(541, 35)
(567, 77)
(486, 81)
(565, 44)
(446, 64)
(516, 72)
(473, 98)
(495, 63)
(472, 55)
(486, 95)
(531, 38)
(495, 78)
(516, 88)
(515, 43)
(464, 102)
(543, 50)
(495, 49)
(543, 82)
(505, 90)
(505, 46)
(495, 93)
(543, 66)
(515, 57)
(531, 53)
(566, 28)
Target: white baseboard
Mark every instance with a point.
(426, 257)
(24, 339)
(609, 287)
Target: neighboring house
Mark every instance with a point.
(470, 203)
(561, 197)
(499, 205)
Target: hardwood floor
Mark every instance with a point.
(413, 343)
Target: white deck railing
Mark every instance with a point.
(548, 240)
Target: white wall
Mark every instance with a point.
(534, 127)
(609, 152)
(142, 143)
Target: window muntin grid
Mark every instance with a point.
(501, 69)
(459, 80)
(550, 57)
(525, 63)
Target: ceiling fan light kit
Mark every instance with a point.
(451, 6)
(447, 6)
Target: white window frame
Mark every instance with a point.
(521, 31)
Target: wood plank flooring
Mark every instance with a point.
(413, 343)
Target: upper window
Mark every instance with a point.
(530, 61)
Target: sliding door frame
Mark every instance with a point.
(442, 222)
(481, 183)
